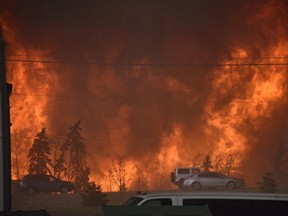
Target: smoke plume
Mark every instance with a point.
(161, 83)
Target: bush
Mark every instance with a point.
(268, 184)
(92, 195)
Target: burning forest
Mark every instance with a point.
(159, 84)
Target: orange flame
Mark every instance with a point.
(242, 95)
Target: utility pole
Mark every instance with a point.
(5, 140)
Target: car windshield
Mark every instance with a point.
(116, 98)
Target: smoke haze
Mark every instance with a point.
(144, 79)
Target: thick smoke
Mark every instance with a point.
(128, 109)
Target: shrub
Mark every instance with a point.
(92, 195)
(268, 184)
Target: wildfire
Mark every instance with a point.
(155, 115)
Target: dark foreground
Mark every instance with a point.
(62, 204)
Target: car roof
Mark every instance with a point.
(218, 195)
(36, 176)
(209, 172)
(187, 168)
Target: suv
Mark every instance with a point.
(177, 177)
(33, 183)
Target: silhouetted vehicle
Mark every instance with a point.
(207, 179)
(33, 183)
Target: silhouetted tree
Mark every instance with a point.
(139, 182)
(39, 154)
(77, 170)
(119, 174)
(59, 167)
(207, 164)
(58, 160)
(280, 169)
(19, 142)
(92, 195)
(268, 184)
(227, 163)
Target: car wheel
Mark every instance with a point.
(196, 186)
(30, 191)
(64, 190)
(180, 184)
(231, 185)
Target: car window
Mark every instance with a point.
(220, 175)
(51, 178)
(195, 171)
(158, 202)
(194, 202)
(203, 175)
(183, 171)
(235, 207)
(41, 177)
(213, 175)
(133, 201)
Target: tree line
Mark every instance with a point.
(69, 160)
(267, 184)
(66, 159)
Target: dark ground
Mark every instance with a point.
(59, 204)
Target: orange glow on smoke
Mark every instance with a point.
(27, 110)
(170, 154)
(32, 86)
(262, 94)
(238, 94)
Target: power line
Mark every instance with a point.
(191, 58)
(147, 64)
(240, 100)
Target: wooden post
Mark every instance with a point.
(5, 140)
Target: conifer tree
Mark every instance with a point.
(58, 160)
(207, 164)
(39, 154)
(268, 184)
(77, 169)
(59, 166)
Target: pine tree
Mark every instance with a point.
(39, 154)
(59, 166)
(268, 184)
(75, 145)
(93, 196)
(207, 164)
(58, 160)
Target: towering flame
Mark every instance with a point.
(161, 85)
(251, 95)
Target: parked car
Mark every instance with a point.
(208, 203)
(186, 198)
(33, 183)
(207, 179)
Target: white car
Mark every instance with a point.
(184, 198)
(202, 203)
(208, 179)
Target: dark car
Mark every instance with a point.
(34, 183)
(207, 179)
